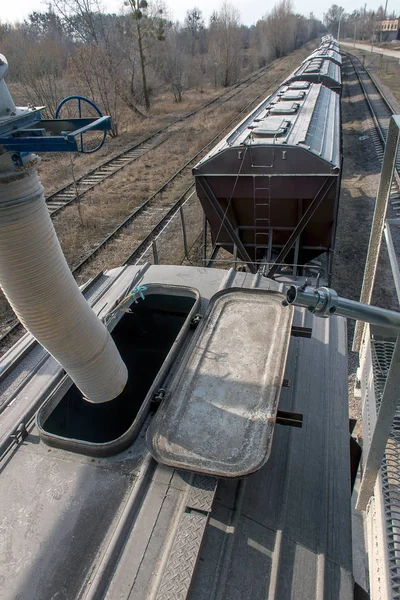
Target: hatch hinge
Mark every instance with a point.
(196, 320)
(158, 398)
(304, 332)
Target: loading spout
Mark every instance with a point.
(37, 281)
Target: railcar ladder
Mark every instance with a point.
(262, 222)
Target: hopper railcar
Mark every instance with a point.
(327, 52)
(275, 176)
(318, 70)
(331, 45)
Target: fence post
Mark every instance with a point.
(183, 231)
(155, 253)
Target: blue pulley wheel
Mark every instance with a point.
(74, 107)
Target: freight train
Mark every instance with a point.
(275, 178)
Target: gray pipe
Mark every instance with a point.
(324, 302)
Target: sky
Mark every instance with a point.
(254, 9)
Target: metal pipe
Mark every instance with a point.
(392, 258)
(37, 282)
(324, 302)
(185, 246)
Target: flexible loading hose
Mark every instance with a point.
(38, 284)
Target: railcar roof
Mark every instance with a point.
(299, 114)
(125, 527)
(317, 68)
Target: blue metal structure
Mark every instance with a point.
(26, 131)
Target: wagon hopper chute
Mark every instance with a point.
(276, 177)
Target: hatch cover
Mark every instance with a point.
(299, 85)
(219, 413)
(293, 95)
(284, 108)
(313, 69)
(271, 127)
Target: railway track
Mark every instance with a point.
(74, 191)
(148, 218)
(380, 111)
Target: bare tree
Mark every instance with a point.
(333, 17)
(149, 27)
(194, 23)
(84, 18)
(91, 27)
(260, 43)
(38, 67)
(119, 61)
(278, 28)
(175, 66)
(225, 44)
(5, 29)
(89, 65)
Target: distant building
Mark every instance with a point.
(390, 29)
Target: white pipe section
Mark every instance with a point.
(38, 284)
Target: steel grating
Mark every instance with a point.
(182, 560)
(382, 352)
(178, 572)
(202, 492)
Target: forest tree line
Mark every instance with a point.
(123, 61)
(360, 24)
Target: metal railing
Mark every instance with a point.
(374, 448)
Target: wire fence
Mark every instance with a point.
(176, 240)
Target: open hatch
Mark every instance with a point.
(148, 339)
(219, 412)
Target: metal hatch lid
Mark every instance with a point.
(218, 415)
(271, 126)
(299, 85)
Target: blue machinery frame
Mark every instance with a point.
(30, 133)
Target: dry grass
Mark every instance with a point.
(132, 130)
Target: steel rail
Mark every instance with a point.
(380, 128)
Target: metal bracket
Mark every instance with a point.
(52, 135)
(226, 224)
(20, 433)
(158, 398)
(303, 332)
(301, 225)
(195, 321)
(290, 419)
